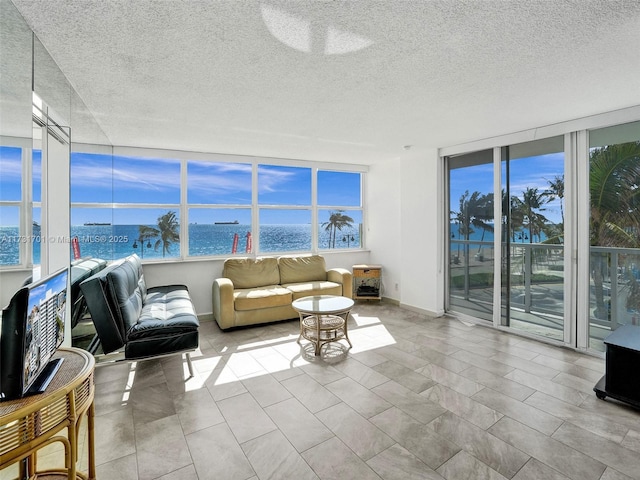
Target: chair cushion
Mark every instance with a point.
(302, 269)
(167, 324)
(168, 310)
(263, 297)
(250, 273)
(306, 289)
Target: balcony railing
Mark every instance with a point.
(535, 282)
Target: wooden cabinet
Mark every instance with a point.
(367, 282)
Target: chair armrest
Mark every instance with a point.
(223, 308)
(344, 277)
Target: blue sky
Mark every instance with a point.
(534, 172)
(53, 285)
(98, 178)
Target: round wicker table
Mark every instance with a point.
(30, 423)
(323, 319)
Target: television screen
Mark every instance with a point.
(32, 331)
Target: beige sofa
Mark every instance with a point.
(260, 290)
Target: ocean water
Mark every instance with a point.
(116, 241)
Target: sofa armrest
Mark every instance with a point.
(223, 308)
(343, 277)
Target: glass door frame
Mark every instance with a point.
(575, 332)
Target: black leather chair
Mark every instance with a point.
(82, 269)
(145, 322)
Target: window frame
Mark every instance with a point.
(184, 207)
(24, 204)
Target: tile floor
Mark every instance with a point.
(416, 398)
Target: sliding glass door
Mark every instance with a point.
(532, 274)
(471, 229)
(614, 230)
(577, 302)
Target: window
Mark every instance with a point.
(282, 228)
(471, 234)
(219, 199)
(136, 210)
(11, 204)
(340, 209)
(121, 204)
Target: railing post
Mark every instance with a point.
(527, 278)
(613, 295)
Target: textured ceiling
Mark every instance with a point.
(341, 81)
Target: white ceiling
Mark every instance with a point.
(340, 81)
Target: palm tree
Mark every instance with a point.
(145, 234)
(532, 202)
(556, 190)
(337, 221)
(169, 231)
(476, 210)
(614, 181)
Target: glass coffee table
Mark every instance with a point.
(323, 319)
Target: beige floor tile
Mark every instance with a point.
(273, 458)
(123, 468)
(610, 453)
(197, 410)
(333, 459)
(553, 453)
(266, 390)
(463, 406)
(361, 373)
(525, 413)
(156, 458)
(463, 465)
(411, 403)
(507, 387)
(536, 470)
(115, 436)
(589, 421)
(359, 434)
(397, 463)
(450, 379)
(310, 393)
(301, 427)
(569, 395)
(419, 439)
(245, 417)
(492, 451)
(216, 454)
(361, 399)
(479, 361)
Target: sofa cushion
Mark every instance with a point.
(168, 310)
(262, 297)
(250, 273)
(167, 324)
(302, 269)
(306, 289)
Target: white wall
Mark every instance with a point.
(421, 236)
(383, 224)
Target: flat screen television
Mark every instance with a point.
(31, 332)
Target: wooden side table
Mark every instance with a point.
(367, 282)
(31, 423)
